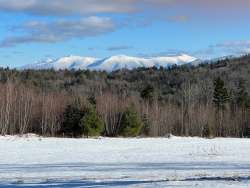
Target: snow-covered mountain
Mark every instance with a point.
(69, 62)
(110, 64)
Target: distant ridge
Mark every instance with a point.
(110, 64)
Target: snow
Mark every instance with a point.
(119, 62)
(116, 162)
(73, 62)
(68, 62)
(110, 64)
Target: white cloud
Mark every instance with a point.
(61, 30)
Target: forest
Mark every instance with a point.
(209, 100)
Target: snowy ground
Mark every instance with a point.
(117, 162)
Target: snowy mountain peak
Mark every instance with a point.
(111, 63)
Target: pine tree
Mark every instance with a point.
(131, 123)
(243, 102)
(91, 124)
(72, 117)
(148, 93)
(221, 96)
(242, 97)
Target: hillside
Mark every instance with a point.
(164, 80)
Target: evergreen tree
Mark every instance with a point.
(242, 97)
(243, 102)
(71, 120)
(131, 123)
(91, 124)
(148, 93)
(221, 96)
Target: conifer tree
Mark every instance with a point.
(221, 96)
(72, 117)
(148, 93)
(242, 97)
(91, 124)
(243, 102)
(131, 123)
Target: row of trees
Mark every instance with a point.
(25, 109)
(185, 101)
(86, 122)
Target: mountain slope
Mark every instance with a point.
(110, 64)
(69, 62)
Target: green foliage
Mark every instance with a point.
(148, 93)
(91, 124)
(242, 97)
(131, 123)
(92, 100)
(221, 96)
(71, 120)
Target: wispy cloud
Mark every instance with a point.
(239, 47)
(233, 47)
(56, 31)
(119, 48)
(68, 7)
(227, 48)
(233, 44)
(168, 52)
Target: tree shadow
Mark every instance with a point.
(83, 184)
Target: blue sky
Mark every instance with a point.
(31, 30)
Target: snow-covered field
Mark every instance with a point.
(116, 162)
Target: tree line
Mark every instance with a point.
(208, 100)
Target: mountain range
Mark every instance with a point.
(112, 63)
